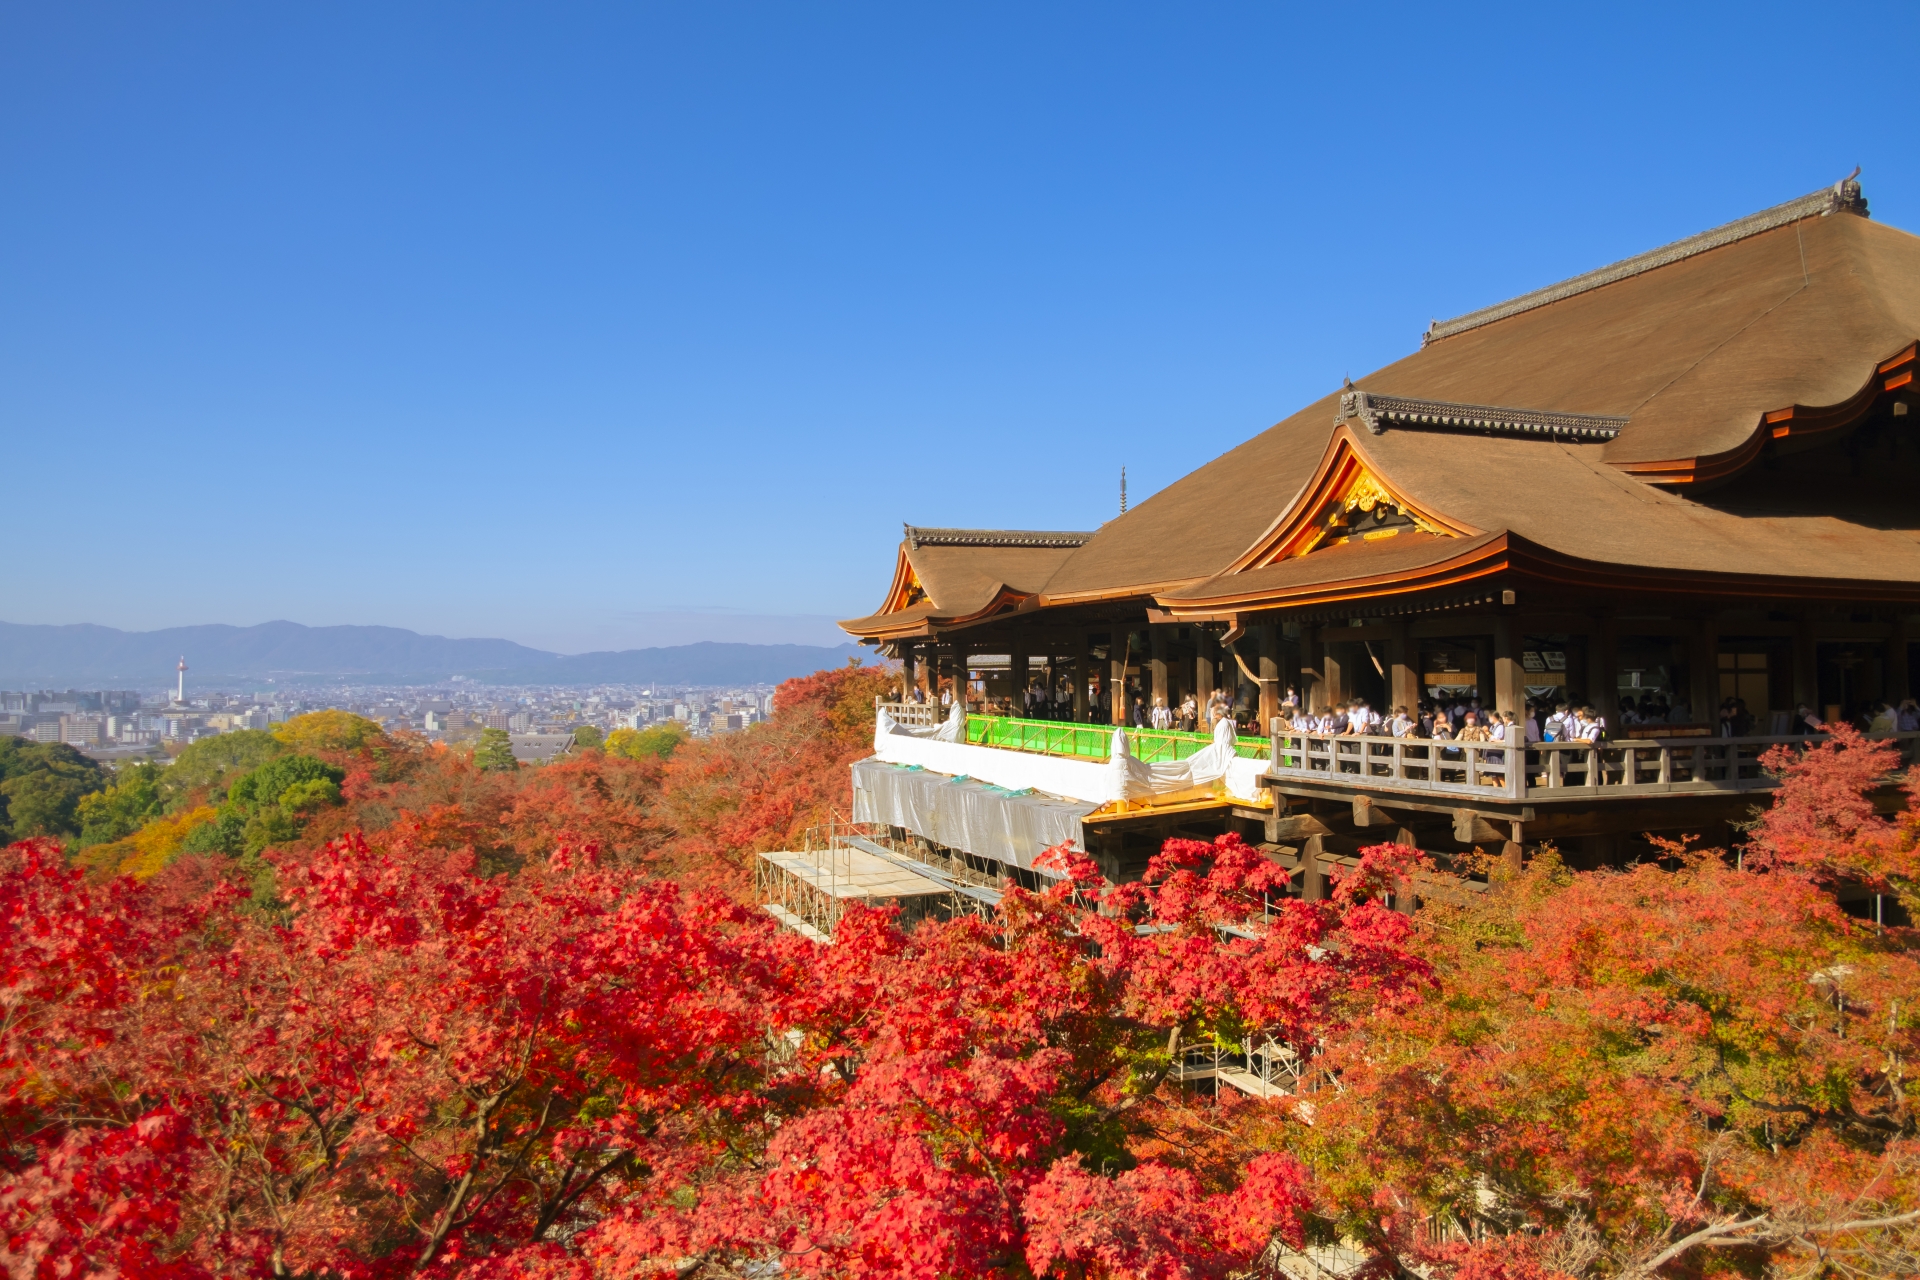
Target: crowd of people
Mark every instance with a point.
(1459, 719)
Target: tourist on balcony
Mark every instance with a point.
(1190, 714)
(1884, 719)
(1400, 724)
(1907, 719)
(1533, 723)
(1161, 717)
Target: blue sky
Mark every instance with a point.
(598, 326)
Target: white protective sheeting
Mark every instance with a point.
(954, 729)
(1135, 779)
(1119, 777)
(965, 813)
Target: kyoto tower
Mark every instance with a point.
(180, 690)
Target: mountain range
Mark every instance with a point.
(34, 656)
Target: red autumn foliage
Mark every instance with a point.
(502, 1024)
(576, 1066)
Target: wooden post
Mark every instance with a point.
(1290, 666)
(1483, 670)
(1509, 671)
(1603, 668)
(1017, 667)
(906, 671)
(1703, 661)
(1403, 683)
(1333, 674)
(960, 676)
(1806, 666)
(1082, 672)
(1313, 886)
(1513, 853)
(1313, 675)
(1156, 666)
(1206, 648)
(1119, 653)
(1269, 634)
(1897, 686)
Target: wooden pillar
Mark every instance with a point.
(1403, 679)
(1017, 661)
(1082, 672)
(1313, 675)
(1313, 885)
(1898, 687)
(907, 666)
(1806, 665)
(1703, 662)
(1509, 670)
(1206, 649)
(1333, 673)
(1603, 667)
(1483, 670)
(1162, 691)
(960, 675)
(1290, 665)
(1269, 633)
(1119, 651)
(1513, 853)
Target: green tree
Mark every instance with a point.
(208, 762)
(41, 786)
(661, 740)
(494, 753)
(266, 806)
(123, 808)
(586, 736)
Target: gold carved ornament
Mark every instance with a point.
(1364, 493)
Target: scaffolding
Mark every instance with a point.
(1262, 1068)
(845, 862)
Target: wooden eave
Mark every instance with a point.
(1141, 592)
(1795, 420)
(927, 624)
(1342, 461)
(1483, 559)
(1508, 552)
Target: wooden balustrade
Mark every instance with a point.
(919, 715)
(1551, 771)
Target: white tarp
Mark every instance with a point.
(965, 813)
(1119, 777)
(954, 729)
(1135, 779)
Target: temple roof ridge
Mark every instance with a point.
(1844, 196)
(923, 537)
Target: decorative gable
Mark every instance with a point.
(1346, 501)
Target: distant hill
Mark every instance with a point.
(704, 663)
(34, 657)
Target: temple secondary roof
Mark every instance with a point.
(1675, 368)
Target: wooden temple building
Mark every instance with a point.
(1693, 473)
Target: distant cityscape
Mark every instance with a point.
(541, 719)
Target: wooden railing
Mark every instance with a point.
(1548, 771)
(919, 715)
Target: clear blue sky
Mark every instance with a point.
(596, 326)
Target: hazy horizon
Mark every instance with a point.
(612, 326)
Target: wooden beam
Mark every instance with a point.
(1296, 826)
(1470, 828)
